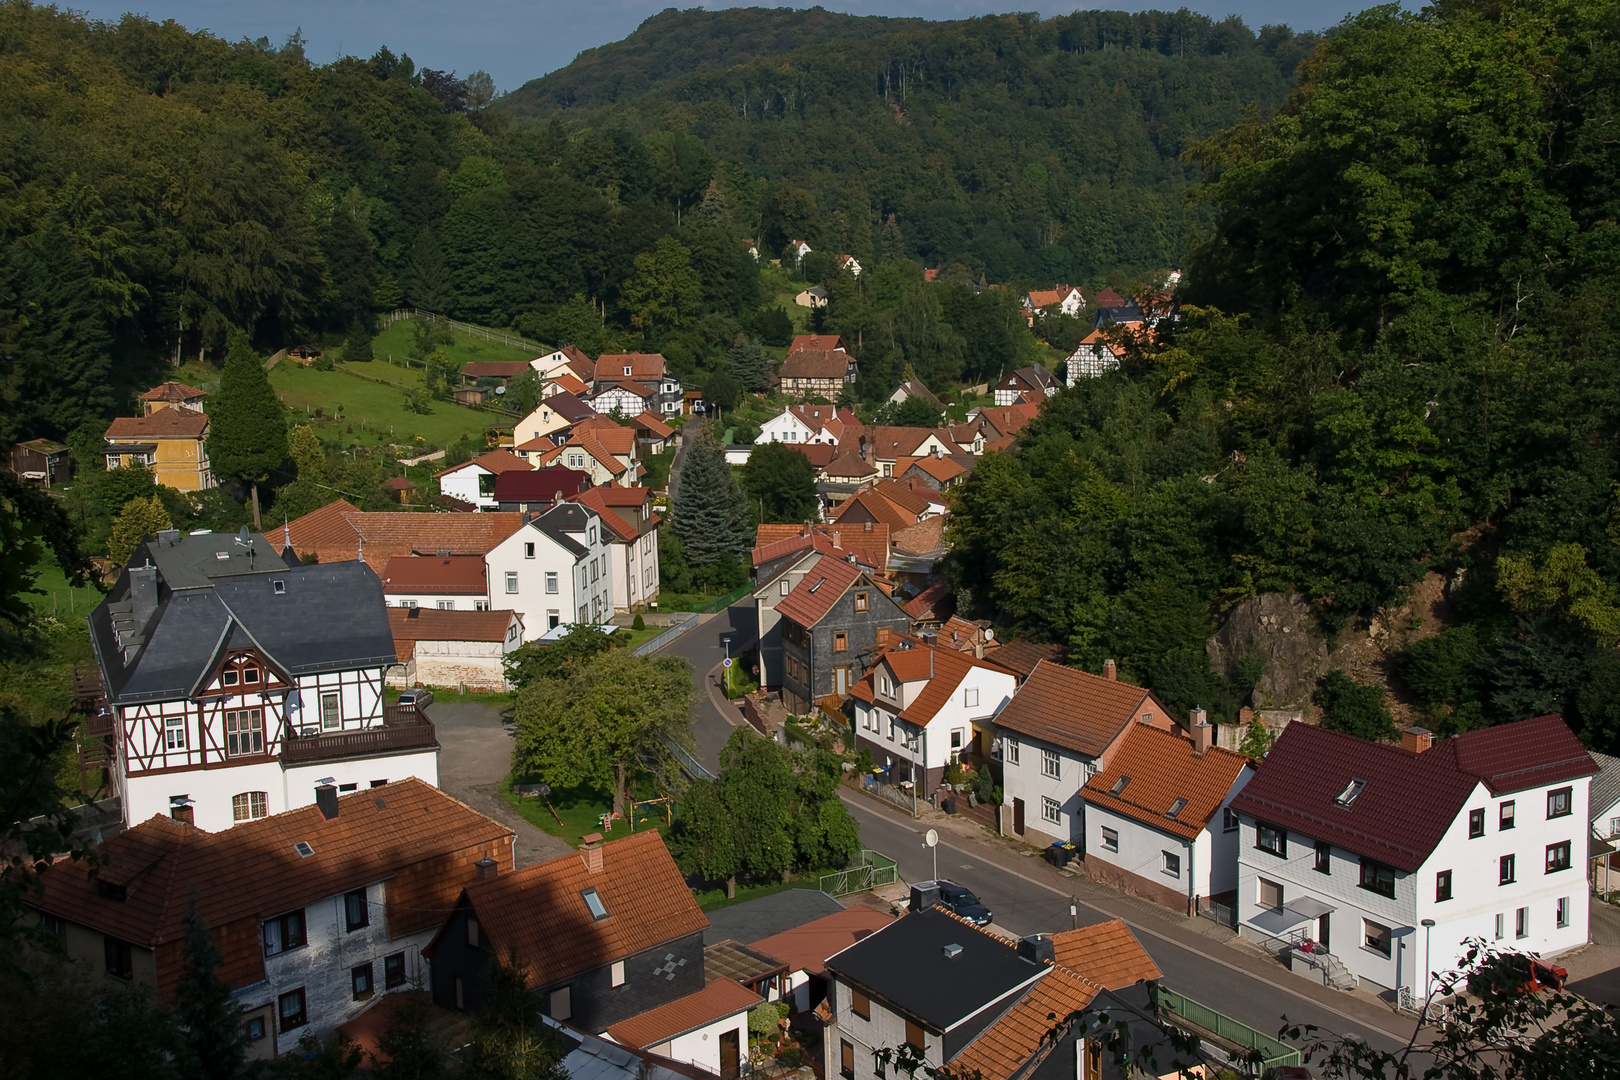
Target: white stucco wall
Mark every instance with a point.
(1024, 780)
(456, 601)
(702, 1047)
(463, 484)
(577, 586)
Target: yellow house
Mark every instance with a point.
(173, 441)
(172, 395)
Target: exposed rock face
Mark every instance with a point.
(1280, 630)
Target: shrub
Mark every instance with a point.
(790, 1057)
(638, 623)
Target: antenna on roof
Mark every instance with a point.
(244, 537)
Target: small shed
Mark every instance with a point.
(472, 395)
(400, 489)
(43, 462)
(451, 649)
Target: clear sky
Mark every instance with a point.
(518, 40)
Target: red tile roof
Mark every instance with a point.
(848, 464)
(597, 500)
(494, 369)
(1108, 298)
(163, 424)
(817, 341)
(818, 591)
(334, 533)
(941, 468)
(716, 1001)
(610, 366)
(1163, 769)
(1020, 1033)
(940, 671)
(406, 833)
(816, 364)
(1005, 420)
(1106, 953)
(807, 947)
(570, 384)
(958, 633)
(886, 443)
(868, 541)
(569, 406)
(496, 461)
(652, 423)
(924, 604)
(459, 575)
(539, 910)
(1074, 709)
(173, 391)
(411, 625)
(922, 538)
(869, 505)
(580, 364)
(1408, 800)
(820, 455)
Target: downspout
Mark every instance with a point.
(1192, 874)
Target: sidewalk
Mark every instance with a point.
(1201, 936)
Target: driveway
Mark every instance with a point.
(704, 647)
(475, 755)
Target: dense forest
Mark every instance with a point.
(1397, 356)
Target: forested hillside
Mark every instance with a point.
(1399, 355)
(1025, 148)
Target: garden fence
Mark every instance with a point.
(873, 871)
(678, 625)
(499, 337)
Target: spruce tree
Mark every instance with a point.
(211, 1024)
(428, 286)
(508, 1040)
(412, 1048)
(711, 516)
(247, 433)
(749, 365)
(357, 348)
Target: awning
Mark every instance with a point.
(1309, 907)
(1277, 921)
(1596, 847)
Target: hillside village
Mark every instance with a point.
(712, 630)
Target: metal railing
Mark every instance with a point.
(1227, 1029)
(679, 623)
(689, 764)
(1221, 914)
(873, 871)
(727, 600)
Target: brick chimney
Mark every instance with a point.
(1203, 732)
(1110, 670)
(591, 851)
(485, 869)
(1415, 740)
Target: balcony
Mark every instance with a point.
(402, 730)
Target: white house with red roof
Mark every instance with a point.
(442, 582)
(920, 708)
(1062, 299)
(808, 424)
(631, 529)
(1377, 863)
(555, 569)
(644, 376)
(1156, 821)
(1093, 358)
(850, 263)
(473, 482)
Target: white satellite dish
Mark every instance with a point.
(500, 390)
(931, 838)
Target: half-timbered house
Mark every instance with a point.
(238, 681)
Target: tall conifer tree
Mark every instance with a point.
(711, 516)
(247, 434)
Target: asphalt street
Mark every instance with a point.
(704, 648)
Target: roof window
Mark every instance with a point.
(278, 587)
(303, 849)
(1119, 785)
(593, 901)
(1176, 808)
(818, 583)
(1351, 790)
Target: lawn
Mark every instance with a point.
(712, 899)
(578, 813)
(57, 597)
(358, 410)
(399, 341)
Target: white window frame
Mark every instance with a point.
(1009, 750)
(551, 583)
(1051, 810)
(1051, 763)
(331, 710)
(174, 733)
(511, 582)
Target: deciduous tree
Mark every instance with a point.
(138, 519)
(781, 483)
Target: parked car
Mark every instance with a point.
(964, 903)
(415, 699)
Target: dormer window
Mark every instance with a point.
(250, 675)
(627, 369)
(1351, 790)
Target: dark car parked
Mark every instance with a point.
(964, 903)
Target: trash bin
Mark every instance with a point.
(948, 804)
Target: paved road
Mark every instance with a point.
(1032, 898)
(712, 718)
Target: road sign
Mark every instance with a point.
(932, 837)
(728, 661)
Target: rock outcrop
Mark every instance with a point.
(1279, 631)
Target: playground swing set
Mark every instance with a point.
(642, 811)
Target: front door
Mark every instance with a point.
(730, 1053)
(1322, 937)
(1018, 816)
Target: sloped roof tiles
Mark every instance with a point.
(1074, 709)
(1162, 768)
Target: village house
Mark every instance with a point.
(607, 455)
(1032, 384)
(42, 461)
(805, 949)
(1061, 728)
(172, 395)
(809, 424)
(1060, 299)
(539, 490)
(557, 568)
(813, 297)
(1156, 817)
(238, 683)
(441, 582)
(975, 1004)
(623, 398)
(605, 933)
(1376, 864)
(1093, 358)
(555, 413)
(819, 373)
(834, 622)
(797, 249)
(1604, 812)
(172, 442)
(567, 360)
(631, 528)
(453, 649)
(849, 262)
(827, 342)
(473, 482)
(316, 911)
(914, 388)
(338, 532)
(937, 471)
(707, 1028)
(630, 372)
(652, 433)
(919, 709)
(887, 445)
(781, 562)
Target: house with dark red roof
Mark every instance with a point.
(538, 490)
(1376, 863)
(1156, 817)
(1061, 728)
(442, 582)
(920, 708)
(835, 621)
(605, 934)
(474, 481)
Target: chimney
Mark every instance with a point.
(326, 799)
(1203, 732)
(591, 851)
(1039, 948)
(143, 594)
(1110, 671)
(1415, 740)
(835, 538)
(924, 895)
(168, 537)
(485, 869)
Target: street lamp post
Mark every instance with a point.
(1428, 966)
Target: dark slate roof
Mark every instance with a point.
(1408, 800)
(328, 617)
(905, 964)
(1129, 312)
(560, 521)
(1605, 790)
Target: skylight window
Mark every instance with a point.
(1176, 808)
(1119, 785)
(817, 584)
(593, 901)
(1351, 790)
(303, 849)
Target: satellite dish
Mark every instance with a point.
(499, 390)
(244, 537)
(931, 838)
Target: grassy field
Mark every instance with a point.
(579, 812)
(399, 340)
(375, 411)
(57, 597)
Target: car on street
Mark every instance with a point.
(964, 904)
